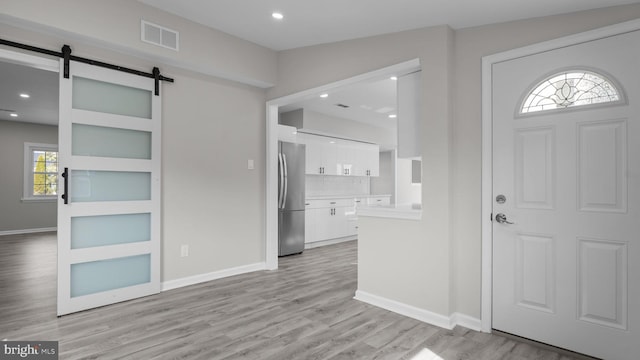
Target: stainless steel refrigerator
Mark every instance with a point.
(291, 197)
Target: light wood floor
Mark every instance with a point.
(302, 311)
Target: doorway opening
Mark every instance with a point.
(28, 202)
(289, 103)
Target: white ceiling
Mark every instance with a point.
(368, 102)
(42, 86)
(316, 22)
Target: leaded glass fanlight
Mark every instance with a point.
(570, 89)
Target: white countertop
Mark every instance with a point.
(403, 211)
(354, 196)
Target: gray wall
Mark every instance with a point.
(408, 193)
(386, 182)
(211, 201)
(293, 118)
(426, 244)
(117, 27)
(16, 214)
(440, 273)
(211, 127)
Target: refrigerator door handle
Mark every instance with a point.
(280, 181)
(286, 181)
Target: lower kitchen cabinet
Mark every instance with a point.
(329, 219)
(382, 200)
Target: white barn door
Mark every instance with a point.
(566, 198)
(109, 215)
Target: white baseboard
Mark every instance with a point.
(28, 231)
(404, 309)
(197, 279)
(447, 322)
(316, 244)
(466, 321)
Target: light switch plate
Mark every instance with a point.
(250, 164)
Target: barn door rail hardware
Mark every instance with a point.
(65, 53)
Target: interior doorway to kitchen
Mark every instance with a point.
(296, 102)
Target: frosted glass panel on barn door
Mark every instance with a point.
(109, 214)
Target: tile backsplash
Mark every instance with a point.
(318, 185)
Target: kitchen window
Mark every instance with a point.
(40, 172)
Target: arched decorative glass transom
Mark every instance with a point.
(570, 89)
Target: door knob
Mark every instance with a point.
(502, 219)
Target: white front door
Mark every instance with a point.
(565, 272)
(109, 218)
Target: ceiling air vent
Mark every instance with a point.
(159, 35)
(342, 105)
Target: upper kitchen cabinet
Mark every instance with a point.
(322, 156)
(409, 115)
(367, 159)
(371, 160)
(347, 158)
(332, 156)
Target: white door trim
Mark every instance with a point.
(32, 61)
(487, 141)
(271, 190)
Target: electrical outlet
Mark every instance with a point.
(184, 250)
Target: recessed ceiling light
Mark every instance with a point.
(394, 78)
(25, 96)
(13, 115)
(332, 142)
(393, 116)
(324, 96)
(278, 16)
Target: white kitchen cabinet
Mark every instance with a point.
(370, 159)
(359, 159)
(329, 219)
(332, 156)
(321, 156)
(335, 218)
(381, 200)
(359, 154)
(347, 158)
(332, 223)
(313, 158)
